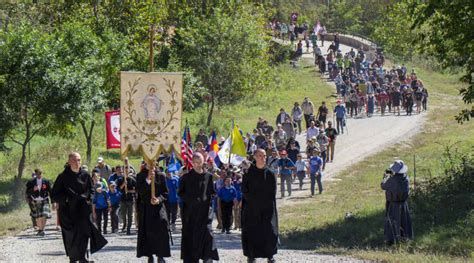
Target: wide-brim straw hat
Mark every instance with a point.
(399, 167)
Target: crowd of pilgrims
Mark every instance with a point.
(366, 87)
(196, 195)
(120, 194)
(362, 82)
(210, 191)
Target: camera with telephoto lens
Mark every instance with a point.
(387, 173)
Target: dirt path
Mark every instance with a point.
(364, 137)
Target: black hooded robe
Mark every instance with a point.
(397, 226)
(153, 232)
(259, 213)
(197, 242)
(73, 192)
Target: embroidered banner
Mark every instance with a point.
(150, 113)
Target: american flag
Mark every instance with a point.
(186, 149)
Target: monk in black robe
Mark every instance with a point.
(153, 233)
(73, 190)
(259, 212)
(196, 191)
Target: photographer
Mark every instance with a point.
(397, 225)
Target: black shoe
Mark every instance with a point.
(223, 231)
(105, 232)
(161, 260)
(227, 232)
(150, 259)
(271, 260)
(128, 232)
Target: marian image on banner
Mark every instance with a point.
(150, 113)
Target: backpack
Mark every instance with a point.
(418, 95)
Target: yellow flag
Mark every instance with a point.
(238, 144)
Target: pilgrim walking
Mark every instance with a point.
(398, 225)
(259, 212)
(37, 190)
(153, 233)
(196, 191)
(73, 191)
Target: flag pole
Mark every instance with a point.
(231, 140)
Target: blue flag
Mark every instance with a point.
(173, 165)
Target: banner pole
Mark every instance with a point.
(231, 140)
(152, 38)
(151, 163)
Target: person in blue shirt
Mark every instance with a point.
(238, 187)
(172, 182)
(228, 197)
(315, 165)
(115, 176)
(100, 207)
(286, 170)
(114, 196)
(340, 111)
(218, 184)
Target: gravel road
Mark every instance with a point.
(365, 136)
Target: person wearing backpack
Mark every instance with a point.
(104, 169)
(101, 207)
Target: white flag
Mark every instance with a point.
(225, 151)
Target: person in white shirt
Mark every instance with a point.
(300, 169)
(312, 131)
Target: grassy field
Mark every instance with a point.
(319, 224)
(50, 153)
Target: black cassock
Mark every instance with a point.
(197, 242)
(73, 192)
(153, 232)
(259, 213)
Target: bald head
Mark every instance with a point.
(74, 161)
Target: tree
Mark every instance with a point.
(30, 104)
(392, 31)
(86, 66)
(446, 33)
(227, 51)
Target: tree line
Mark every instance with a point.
(59, 61)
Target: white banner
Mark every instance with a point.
(150, 113)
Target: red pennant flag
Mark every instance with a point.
(112, 128)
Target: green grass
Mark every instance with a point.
(319, 224)
(50, 153)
